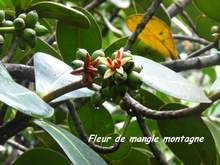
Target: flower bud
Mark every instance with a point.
(41, 30)
(102, 69)
(19, 23)
(137, 68)
(7, 23)
(127, 54)
(31, 19)
(97, 53)
(134, 80)
(77, 64)
(81, 54)
(215, 29)
(23, 16)
(29, 33)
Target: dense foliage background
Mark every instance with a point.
(132, 68)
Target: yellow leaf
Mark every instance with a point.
(156, 34)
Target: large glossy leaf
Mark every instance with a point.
(48, 9)
(213, 123)
(162, 78)
(21, 98)
(95, 121)
(77, 151)
(190, 154)
(69, 39)
(51, 74)
(41, 156)
(156, 34)
(21, 4)
(211, 9)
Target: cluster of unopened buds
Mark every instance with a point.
(117, 72)
(215, 31)
(26, 27)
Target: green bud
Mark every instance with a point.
(41, 30)
(129, 66)
(23, 16)
(7, 23)
(81, 54)
(2, 15)
(31, 19)
(22, 43)
(77, 64)
(215, 29)
(134, 80)
(119, 78)
(19, 23)
(29, 33)
(97, 53)
(102, 69)
(2, 40)
(137, 68)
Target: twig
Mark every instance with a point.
(83, 135)
(2, 113)
(202, 50)
(11, 51)
(93, 4)
(146, 132)
(193, 63)
(191, 38)
(177, 7)
(153, 114)
(189, 20)
(13, 127)
(17, 145)
(147, 16)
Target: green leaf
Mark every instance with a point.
(69, 39)
(122, 151)
(190, 154)
(21, 98)
(170, 83)
(211, 9)
(41, 156)
(21, 4)
(42, 46)
(121, 3)
(95, 121)
(135, 156)
(77, 151)
(51, 74)
(74, 17)
(213, 123)
(203, 27)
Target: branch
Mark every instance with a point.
(13, 127)
(93, 4)
(177, 7)
(83, 135)
(131, 103)
(146, 132)
(189, 20)
(147, 16)
(17, 145)
(193, 63)
(203, 50)
(191, 38)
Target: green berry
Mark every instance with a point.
(134, 79)
(81, 54)
(29, 33)
(77, 64)
(129, 66)
(102, 69)
(137, 68)
(41, 30)
(19, 23)
(2, 15)
(2, 40)
(23, 16)
(7, 23)
(215, 29)
(97, 53)
(31, 19)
